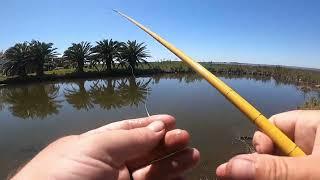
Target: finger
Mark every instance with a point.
(262, 143)
(298, 125)
(258, 166)
(118, 146)
(171, 167)
(174, 141)
(286, 122)
(316, 146)
(168, 120)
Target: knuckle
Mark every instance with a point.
(272, 168)
(273, 118)
(141, 135)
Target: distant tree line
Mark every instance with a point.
(121, 58)
(37, 57)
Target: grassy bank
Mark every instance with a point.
(301, 77)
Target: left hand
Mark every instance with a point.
(115, 151)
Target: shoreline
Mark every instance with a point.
(304, 78)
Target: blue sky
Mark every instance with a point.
(285, 32)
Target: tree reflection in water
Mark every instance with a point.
(108, 93)
(40, 100)
(79, 97)
(134, 92)
(2, 103)
(33, 101)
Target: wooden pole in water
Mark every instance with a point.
(277, 136)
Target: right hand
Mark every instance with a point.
(116, 151)
(303, 127)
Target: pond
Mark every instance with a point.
(35, 114)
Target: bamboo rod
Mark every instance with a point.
(277, 136)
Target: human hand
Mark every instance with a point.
(303, 127)
(117, 151)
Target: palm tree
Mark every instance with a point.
(41, 53)
(133, 53)
(1, 55)
(18, 58)
(79, 53)
(107, 51)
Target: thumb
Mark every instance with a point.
(118, 146)
(262, 166)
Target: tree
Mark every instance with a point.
(133, 53)
(79, 53)
(107, 51)
(41, 53)
(1, 55)
(18, 58)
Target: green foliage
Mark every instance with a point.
(36, 57)
(106, 53)
(80, 53)
(27, 57)
(18, 58)
(133, 53)
(42, 54)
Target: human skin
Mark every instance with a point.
(115, 152)
(303, 127)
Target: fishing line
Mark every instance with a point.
(147, 98)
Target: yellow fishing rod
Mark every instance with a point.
(277, 136)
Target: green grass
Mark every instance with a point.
(60, 72)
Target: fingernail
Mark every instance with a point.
(156, 126)
(242, 168)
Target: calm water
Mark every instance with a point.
(33, 115)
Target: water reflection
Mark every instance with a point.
(134, 92)
(2, 103)
(78, 96)
(187, 78)
(32, 101)
(217, 128)
(41, 100)
(106, 94)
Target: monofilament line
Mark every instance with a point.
(145, 103)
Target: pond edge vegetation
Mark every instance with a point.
(35, 61)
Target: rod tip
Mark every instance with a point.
(115, 10)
